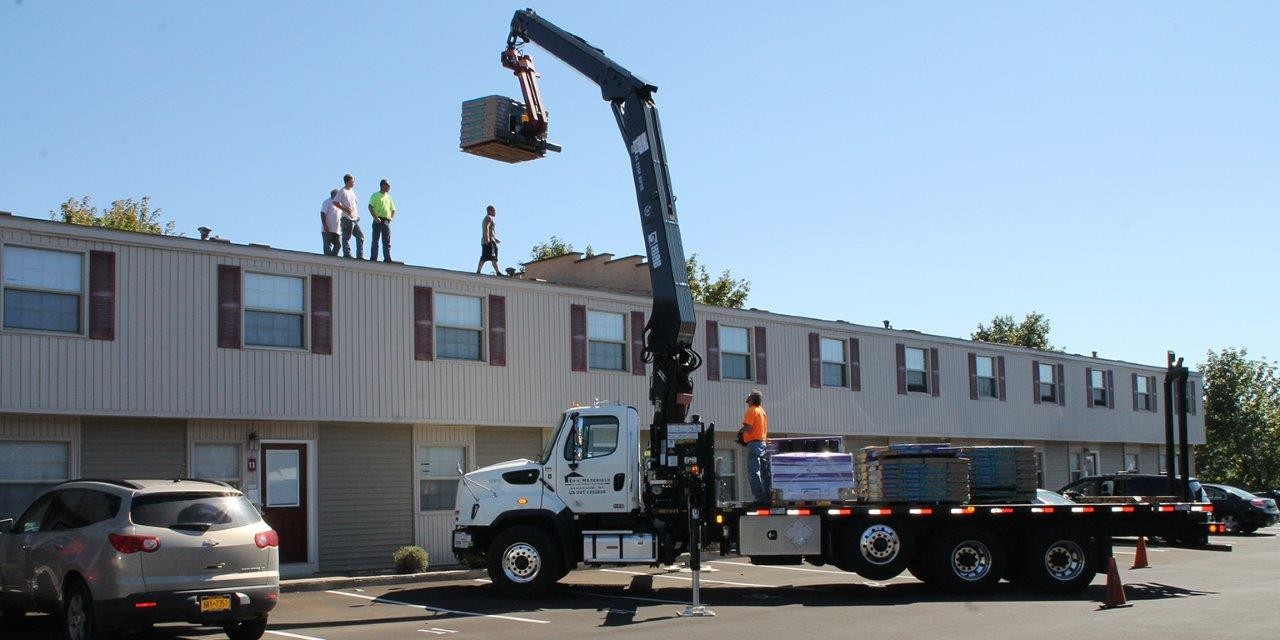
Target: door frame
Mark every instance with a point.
(312, 565)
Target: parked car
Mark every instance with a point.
(1274, 494)
(1241, 511)
(121, 555)
(1127, 484)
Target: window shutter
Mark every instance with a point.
(424, 346)
(497, 331)
(322, 315)
(815, 361)
(578, 337)
(935, 387)
(1134, 381)
(228, 306)
(1088, 386)
(973, 376)
(1151, 388)
(762, 357)
(855, 365)
(713, 350)
(1000, 373)
(1035, 381)
(1062, 385)
(1110, 381)
(102, 295)
(900, 352)
(637, 343)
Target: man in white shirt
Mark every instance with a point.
(345, 201)
(329, 224)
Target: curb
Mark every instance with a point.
(346, 582)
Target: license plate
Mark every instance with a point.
(461, 539)
(210, 604)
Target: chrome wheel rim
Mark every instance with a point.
(880, 544)
(971, 560)
(1064, 560)
(76, 617)
(521, 562)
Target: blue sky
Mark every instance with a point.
(1111, 165)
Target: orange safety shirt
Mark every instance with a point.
(757, 423)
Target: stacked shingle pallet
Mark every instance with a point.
(810, 477)
(1001, 474)
(914, 473)
(488, 129)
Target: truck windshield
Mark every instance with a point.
(545, 458)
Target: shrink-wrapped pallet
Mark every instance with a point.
(810, 477)
(490, 127)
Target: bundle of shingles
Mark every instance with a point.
(1001, 474)
(913, 473)
(489, 129)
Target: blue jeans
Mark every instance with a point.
(381, 231)
(757, 470)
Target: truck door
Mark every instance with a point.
(596, 461)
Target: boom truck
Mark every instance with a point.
(597, 495)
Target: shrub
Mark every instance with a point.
(410, 560)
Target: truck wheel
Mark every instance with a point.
(523, 561)
(876, 551)
(1058, 560)
(919, 568)
(965, 560)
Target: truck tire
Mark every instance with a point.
(1058, 560)
(918, 567)
(876, 550)
(524, 562)
(966, 560)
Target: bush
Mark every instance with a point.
(410, 560)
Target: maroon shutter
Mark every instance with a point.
(1035, 381)
(497, 331)
(102, 295)
(1000, 373)
(1088, 386)
(935, 388)
(1110, 381)
(1133, 378)
(855, 365)
(1151, 392)
(424, 347)
(228, 306)
(1062, 385)
(973, 376)
(900, 351)
(713, 350)
(322, 315)
(578, 337)
(762, 357)
(815, 361)
(637, 343)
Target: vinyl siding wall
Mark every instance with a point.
(133, 448)
(364, 495)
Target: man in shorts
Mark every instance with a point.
(489, 242)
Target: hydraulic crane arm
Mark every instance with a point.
(669, 332)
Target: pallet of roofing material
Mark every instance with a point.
(1001, 474)
(929, 479)
(814, 444)
(932, 449)
(490, 128)
(810, 476)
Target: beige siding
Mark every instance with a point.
(364, 497)
(435, 528)
(494, 445)
(1111, 459)
(1057, 465)
(133, 448)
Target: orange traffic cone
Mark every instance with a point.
(1140, 557)
(1115, 590)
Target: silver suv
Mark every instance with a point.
(121, 555)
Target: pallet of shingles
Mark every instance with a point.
(915, 479)
(488, 129)
(1001, 474)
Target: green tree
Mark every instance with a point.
(126, 214)
(724, 291)
(1242, 421)
(552, 248)
(1032, 332)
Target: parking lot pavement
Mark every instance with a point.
(1185, 594)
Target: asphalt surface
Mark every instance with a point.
(1184, 594)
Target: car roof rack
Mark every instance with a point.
(205, 480)
(120, 483)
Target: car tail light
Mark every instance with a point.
(268, 538)
(1259, 503)
(134, 544)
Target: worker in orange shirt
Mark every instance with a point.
(754, 432)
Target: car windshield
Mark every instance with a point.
(200, 511)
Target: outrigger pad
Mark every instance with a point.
(491, 128)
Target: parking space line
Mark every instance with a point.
(437, 609)
(296, 636)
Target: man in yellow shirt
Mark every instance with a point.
(754, 433)
(383, 209)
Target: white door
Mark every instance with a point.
(594, 462)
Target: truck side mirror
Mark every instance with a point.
(575, 443)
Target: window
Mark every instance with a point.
(1131, 462)
(197, 509)
(219, 462)
(459, 328)
(735, 353)
(42, 289)
(1048, 383)
(917, 370)
(78, 508)
(438, 476)
(1083, 466)
(986, 368)
(27, 469)
(834, 368)
(1142, 389)
(727, 475)
(606, 341)
(1098, 387)
(599, 438)
(274, 309)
